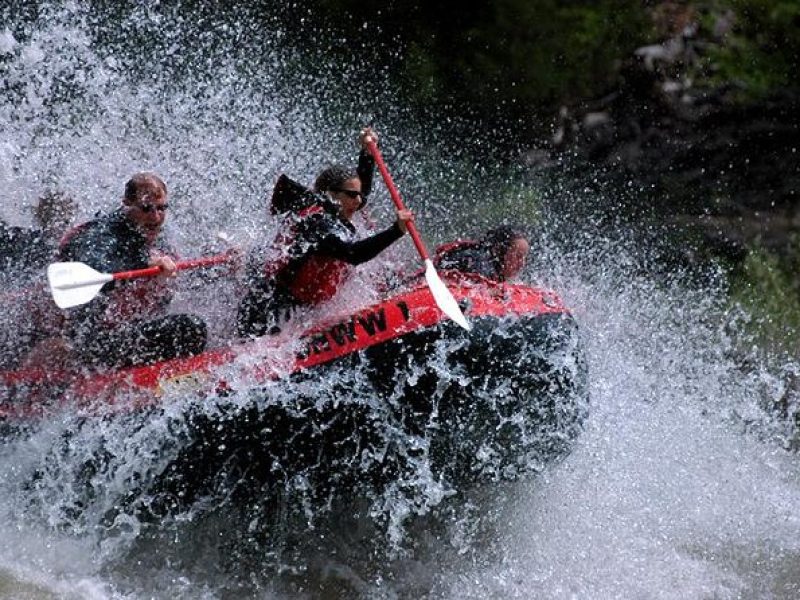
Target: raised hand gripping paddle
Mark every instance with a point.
(444, 299)
(75, 283)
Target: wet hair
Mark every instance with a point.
(498, 240)
(54, 209)
(141, 182)
(333, 177)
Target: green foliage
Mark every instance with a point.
(468, 198)
(502, 61)
(767, 288)
(521, 56)
(505, 64)
(762, 52)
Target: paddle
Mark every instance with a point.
(75, 283)
(444, 299)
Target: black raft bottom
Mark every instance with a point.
(440, 406)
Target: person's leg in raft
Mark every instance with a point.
(264, 311)
(144, 342)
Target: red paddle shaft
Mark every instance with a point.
(398, 201)
(181, 265)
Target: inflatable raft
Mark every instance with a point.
(361, 396)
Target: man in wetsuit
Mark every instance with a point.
(127, 322)
(318, 254)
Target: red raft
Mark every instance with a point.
(492, 402)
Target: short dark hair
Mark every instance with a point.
(142, 181)
(333, 177)
(54, 209)
(498, 240)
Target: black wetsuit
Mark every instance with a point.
(24, 254)
(312, 267)
(109, 329)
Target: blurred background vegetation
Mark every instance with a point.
(518, 61)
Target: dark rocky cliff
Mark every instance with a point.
(715, 158)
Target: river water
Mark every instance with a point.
(681, 485)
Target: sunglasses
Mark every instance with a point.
(146, 207)
(349, 193)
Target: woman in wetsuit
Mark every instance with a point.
(318, 255)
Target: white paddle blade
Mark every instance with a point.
(74, 283)
(444, 299)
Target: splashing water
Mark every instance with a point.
(679, 487)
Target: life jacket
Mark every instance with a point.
(71, 233)
(319, 279)
(310, 278)
(110, 243)
(442, 252)
(136, 300)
